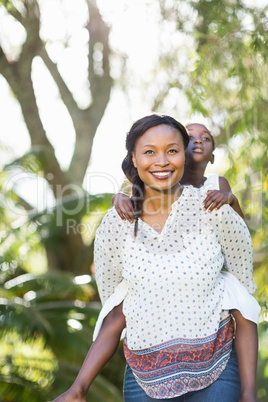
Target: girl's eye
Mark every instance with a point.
(173, 151)
(191, 137)
(206, 139)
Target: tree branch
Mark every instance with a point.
(100, 86)
(66, 94)
(4, 64)
(98, 75)
(12, 10)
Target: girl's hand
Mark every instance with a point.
(216, 199)
(124, 207)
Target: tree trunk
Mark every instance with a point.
(65, 249)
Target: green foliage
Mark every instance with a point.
(27, 368)
(46, 328)
(46, 317)
(262, 378)
(32, 161)
(64, 230)
(225, 73)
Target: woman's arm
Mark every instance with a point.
(215, 199)
(246, 346)
(99, 354)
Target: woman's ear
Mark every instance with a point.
(134, 160)
(212, 159)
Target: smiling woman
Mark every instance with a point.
(154, 165)
(159, 158)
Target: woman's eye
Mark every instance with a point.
(173, 151)
(149, 152)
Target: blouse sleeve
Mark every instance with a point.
(236, 245)
(108, 267)
(112, 287)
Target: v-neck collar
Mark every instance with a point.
(173, 205)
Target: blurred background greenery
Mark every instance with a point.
(203, 61)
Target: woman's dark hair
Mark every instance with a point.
(136, 131)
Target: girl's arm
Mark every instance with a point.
(124, 207)
(236, 245)
(217, 198)
(99, 354)
(246, 345)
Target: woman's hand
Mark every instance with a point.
(100, 352)
(216, 199)
(248, 398)
(124, 207)
(71, 395)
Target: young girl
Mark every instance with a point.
(166, 275)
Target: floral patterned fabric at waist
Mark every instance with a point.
(181, 365)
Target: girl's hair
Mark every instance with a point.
(136, 131)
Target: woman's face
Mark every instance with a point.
(159, 157)
(200, 146)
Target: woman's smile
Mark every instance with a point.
(163, 174)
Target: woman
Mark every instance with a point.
(166, 274)
(216, 192)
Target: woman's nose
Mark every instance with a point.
(162, 161)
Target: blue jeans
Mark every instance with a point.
(225, 389)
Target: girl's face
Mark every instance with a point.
(200, 146)
(159, 157)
